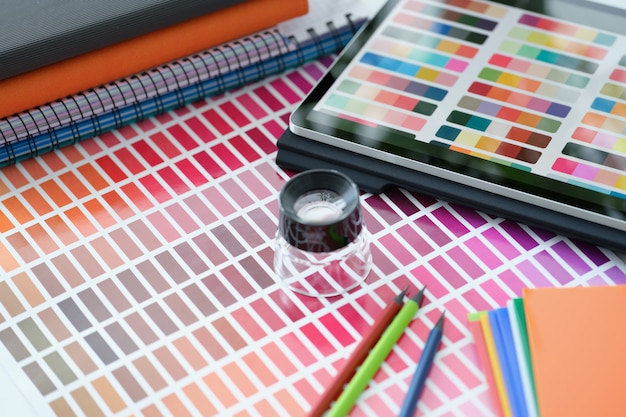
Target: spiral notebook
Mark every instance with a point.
(174, 84)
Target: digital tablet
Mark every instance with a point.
(498, 101)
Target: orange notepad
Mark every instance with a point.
(578, 346)
(101, 66)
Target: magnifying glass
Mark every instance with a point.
(322, 246)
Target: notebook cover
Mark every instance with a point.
(35, 34)
(374, 175)
(140, 53)
(577, 343)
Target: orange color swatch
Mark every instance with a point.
(578, 347)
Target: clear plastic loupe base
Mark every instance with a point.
(323, 274)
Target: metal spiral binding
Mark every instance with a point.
(160, 89)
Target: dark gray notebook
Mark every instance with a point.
(34, 34)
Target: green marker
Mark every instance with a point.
(377, 355)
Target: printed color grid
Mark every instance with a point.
(136, 274)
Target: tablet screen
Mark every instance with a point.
(515, 102)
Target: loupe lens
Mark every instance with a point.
(319, 206)
(322, 246)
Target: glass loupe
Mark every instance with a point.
(322, 246)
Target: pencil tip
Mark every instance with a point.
(400, 297)
(439, 323)
(418, 297)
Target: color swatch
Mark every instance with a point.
(591, 173)
(602, 121)
(572, 30)
(467, 19)
(488, 9)
(557, 42)
(548, 56)
(525, 83)
(488, 144)
(537, 70)
(398, 83)
(510, 114)
(438, 28)
(600, 139)
(434, 42)
(596, 156)
(412, 70)
(495, 127)
(377, 113)
(392, 99)
(422, 56)
(618, 74)
(530, 102)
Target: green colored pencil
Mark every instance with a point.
(376, 357)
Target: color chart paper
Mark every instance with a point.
(136, 278)
(502, 84)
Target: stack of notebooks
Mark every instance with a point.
(555, 352)
(74, 69)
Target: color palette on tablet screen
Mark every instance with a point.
(498, 70)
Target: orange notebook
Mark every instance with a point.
(578, 347)
(83, 72)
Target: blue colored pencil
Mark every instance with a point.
(422, 370)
